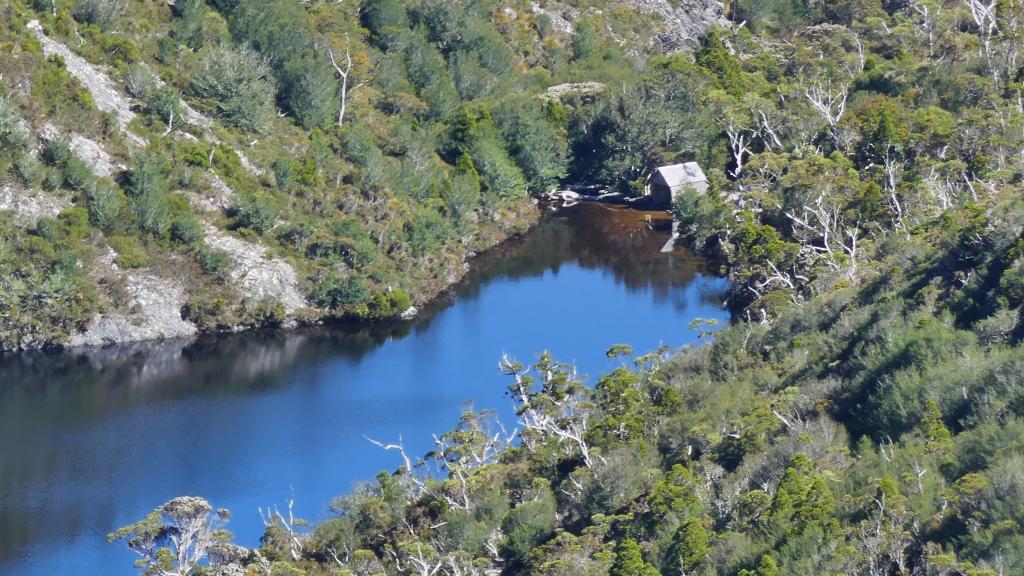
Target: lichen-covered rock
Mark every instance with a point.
(584, 90)
(89, 151)
(685, 21)
(682, 22)
(254, 274)
(153, 311)
(217, 199)
(558, 19)
(30, 205)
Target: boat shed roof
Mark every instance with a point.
(681, 174)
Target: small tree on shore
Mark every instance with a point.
(175, 537)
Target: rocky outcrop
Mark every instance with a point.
(153, 310)
(109, 98)
(89, 151)
(216, 199)
(256, 275)
(685, 21)
(559, 21)
(100, 86)
(30, 205)
(587, 91)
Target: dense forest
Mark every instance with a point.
(864, 414)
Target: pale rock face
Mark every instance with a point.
(685, 20)
(31, 205)
(89, 151)
(154, 311)
(256, 275)
(583, 90)
(101, 87)
(558, 20)
(218, 199)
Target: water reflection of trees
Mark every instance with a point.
(626, 243)
(56, 397)
(105, 379)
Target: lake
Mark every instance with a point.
(96, 439)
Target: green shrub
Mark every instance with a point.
(56, 92)
(191, 17)
(84, 99)
(337, 293)
(427, 231)
(14, 131)
(197, 155)
(73, 170)
(256, 211)
(148, 174)
(29, 170)
(42, 6)
(153, 212)
(284, 173)
(101, 13)
(530, 523)
(37, 249)
(120, 49)
(400, 300)
(186, 229)
(138, 81)
(52, 180)
(57, 152)
(206, 310)
(385, 305)
(214, 262)
(226, 160)
(105, 205)
(77, 174)
(187, 178)
(279, 29)
(267, 313)
(297, 235)
(165, 103)
(308, 174)
(130, 252)
(238, 85)
(379, 307)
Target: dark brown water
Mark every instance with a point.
(96, 439)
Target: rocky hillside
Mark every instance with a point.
(673, 25)
(171, 168)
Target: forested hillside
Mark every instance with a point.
(173, 167)
(863, 415)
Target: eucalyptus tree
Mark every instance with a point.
(176, 537)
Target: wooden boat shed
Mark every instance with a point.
(668, 181)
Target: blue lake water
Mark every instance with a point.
(95, 439)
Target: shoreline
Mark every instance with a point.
(526, 219)
(440, 297)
